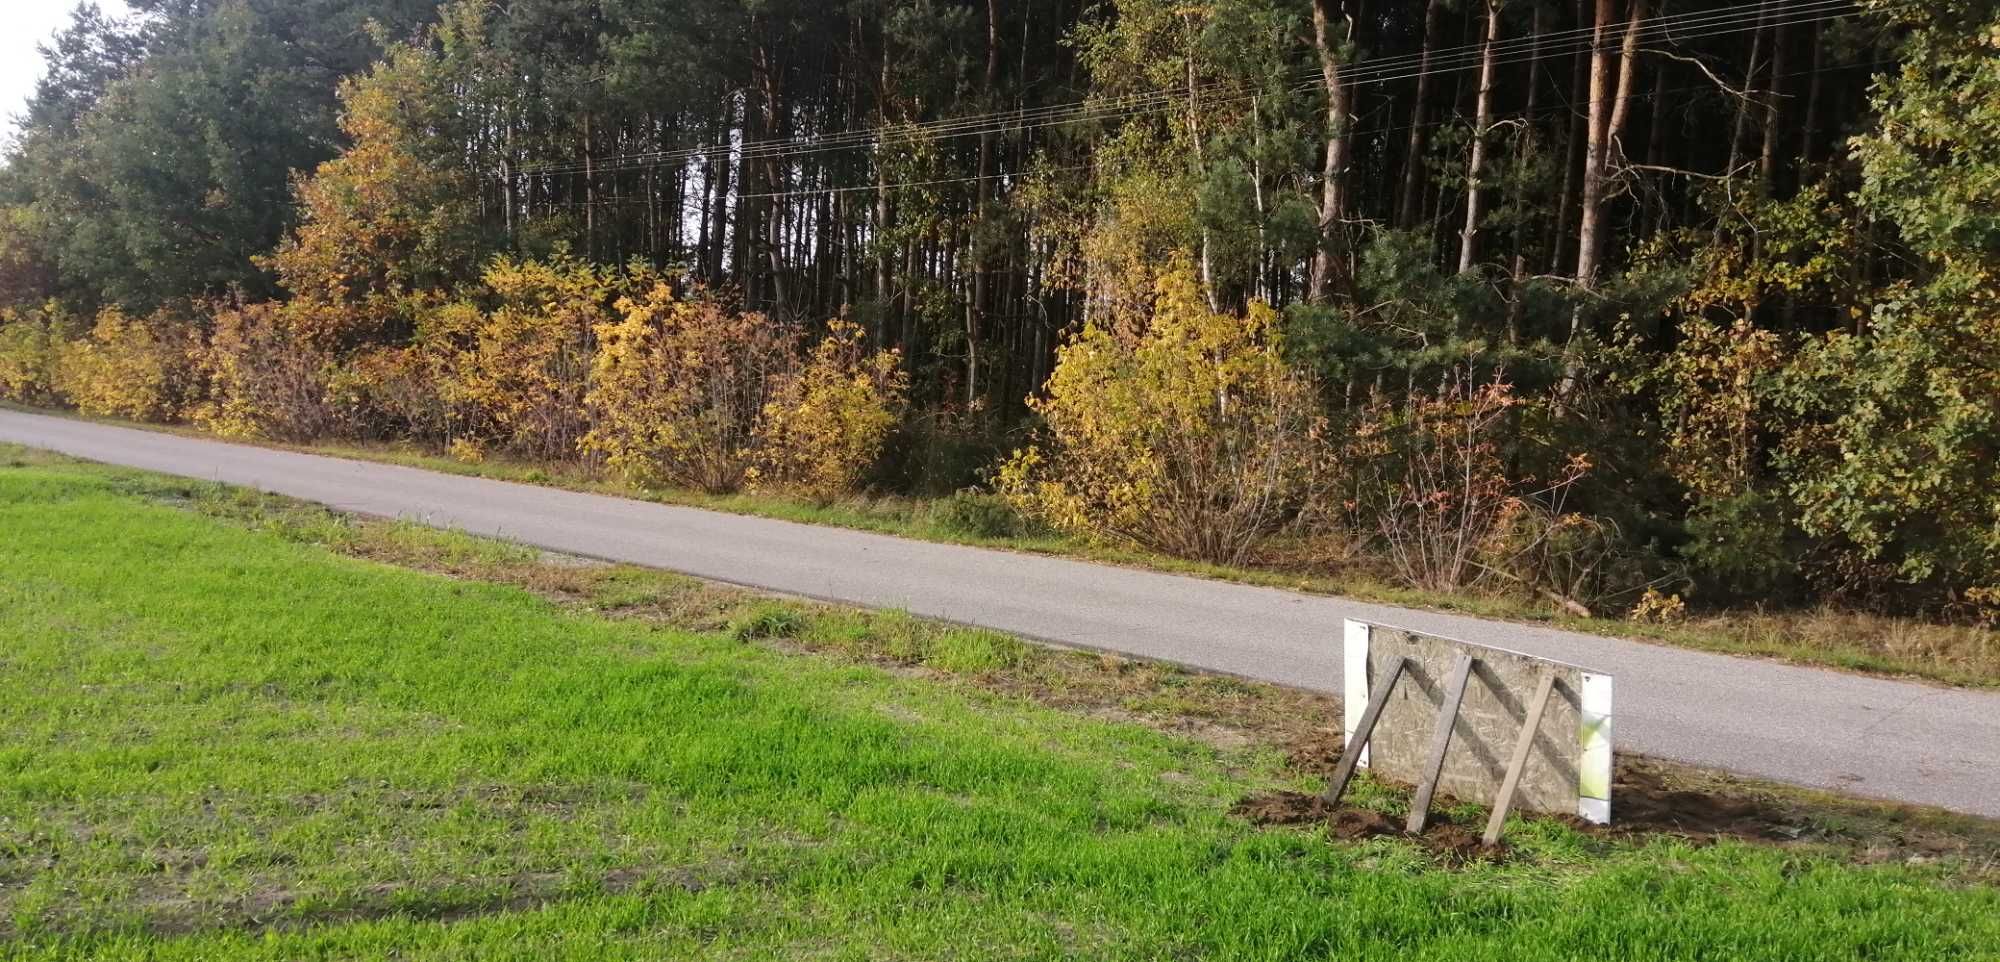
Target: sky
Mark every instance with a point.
(28, 23)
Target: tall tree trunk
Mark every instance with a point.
(1767, 161)
(1410, 199)
(1596, 127)
(1816, 82)
(884, 271)
(589, 191)
(1517, 303)
(1207, 252)
(1328, 263)
(1475, 167)
(507, 172)
(1656, 140)
(824, 250)
(1608, 108)
(1742, 124)
(743, 218)
(1258, 287)
(775, 180)
(904, 309)
(1573, 148)
(718, 250)
(976, 307)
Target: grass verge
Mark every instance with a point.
(228, 730)
(1963, 655)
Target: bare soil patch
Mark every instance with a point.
(1450, 841)
(1654, 799)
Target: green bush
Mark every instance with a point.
(1744, 548)
(931, 455)
(977, 514)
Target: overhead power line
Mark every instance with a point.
(1672, 28)
(1700, 23)
(1543, 110)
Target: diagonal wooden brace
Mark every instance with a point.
(1523, 746)
(1447, 719)
(1377, 698)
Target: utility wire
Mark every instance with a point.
(1361, 72)
(1544, 110)
(1673, 28)
(1713, 30)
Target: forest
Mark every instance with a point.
(1624, 306)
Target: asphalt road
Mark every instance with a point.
(1895, 740)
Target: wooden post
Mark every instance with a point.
(1420, 807)
(1523, 747)
(1377, 697)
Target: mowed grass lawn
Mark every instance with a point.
(219, 744)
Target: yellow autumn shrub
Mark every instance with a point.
(28, 348)
(1189, 435)
(390, 393)
(126, 367)
(678, 385)
(263, 379)
(515, 376)
(825, 425)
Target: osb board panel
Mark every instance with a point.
(1489, 719)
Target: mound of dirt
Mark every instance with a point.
(1644, 802)
(1348, 823)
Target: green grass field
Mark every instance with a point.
(218, 743)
